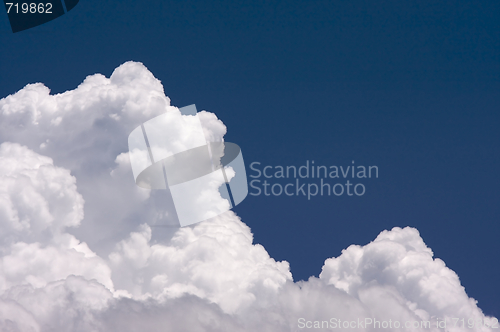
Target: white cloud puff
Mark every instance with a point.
(397, 270)
(77, 252)
(38, 201)
(215, 260)
(36, 198)
(85, 130)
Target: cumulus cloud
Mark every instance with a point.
(85, 130)
(38, 201)
(78, 251)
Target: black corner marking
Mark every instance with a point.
(70, 4)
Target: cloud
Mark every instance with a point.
(36, 196)
(215, 260)
(38, 201)
(79, 250)
(397, 270)
(85, 130)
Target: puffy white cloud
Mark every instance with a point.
(394, 278)
(215, 260)
(77, 252)
(397, 270)
(38, 201)
(85, 130)
(398, 259)
(36, 198)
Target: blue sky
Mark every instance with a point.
(412, 87)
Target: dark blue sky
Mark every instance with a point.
(410, 86)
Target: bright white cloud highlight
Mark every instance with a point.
(77, 254)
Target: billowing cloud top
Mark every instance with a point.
(79, 250)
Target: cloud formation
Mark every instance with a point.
(78, 251)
